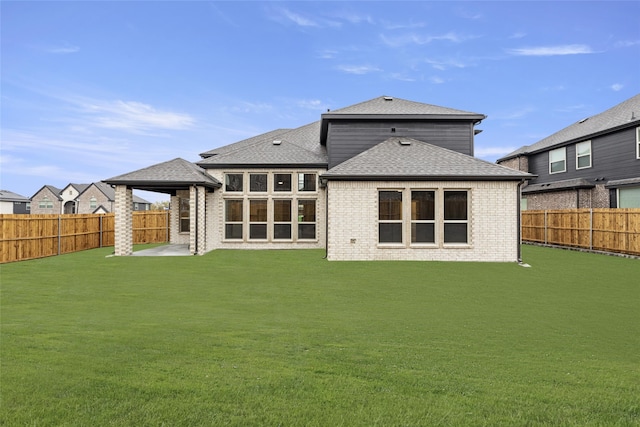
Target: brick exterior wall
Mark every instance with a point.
(83, 204)
(39, 196)
(595, 198)
(520, 163)
(177, 238)
(123, 221)
(493, 223)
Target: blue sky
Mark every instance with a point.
(93, 89)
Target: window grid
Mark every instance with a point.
(583, 155)
(558, 160)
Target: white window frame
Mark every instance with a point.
(464, 221)
(562, 150)
(638, 142)
(578, 156)
(433, 221)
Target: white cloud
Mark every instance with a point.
(297, 18)
(134, 116)
(446, 64)
(570, 49)
(311, 104)
(358, 69)
(63, 49)
(402, 77)
(420, 39)
(617, 87)
(627, 43)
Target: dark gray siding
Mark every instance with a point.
(347, 138)
(20, 208)
(613, 157)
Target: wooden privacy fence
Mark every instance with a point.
(25, 237)
(609, 230)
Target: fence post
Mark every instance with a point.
(591, 229)
(545, 227)
(59, 232)
(100, 217)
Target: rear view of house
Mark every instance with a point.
(385, 179)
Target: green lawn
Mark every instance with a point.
(287, 338)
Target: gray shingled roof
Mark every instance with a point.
(414, 159)
(10, 196)
(299, 146)
(54, 190)
(388, 105)
(110, 193)
(244, 143)
(567, 184)
(163, 176)
(626, 113)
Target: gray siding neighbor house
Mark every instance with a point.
(97, 197)
(593, 163)
(13, 203)
(385, 179)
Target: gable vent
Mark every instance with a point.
(277, 142)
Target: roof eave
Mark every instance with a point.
(330, 177)
(262, 165)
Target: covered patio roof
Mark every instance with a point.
(167, 177)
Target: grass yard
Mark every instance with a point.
(268, 338)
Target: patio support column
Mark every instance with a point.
(123, 221)
(174, 219)
(197, 235)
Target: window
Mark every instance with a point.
(282, 182)
(93, 203)
(638, 142)
(306, 182)
(558, 160)
(258, 182)
(257, 219)
(423, 216)
(28, 206)
(282, 219)
(185, 220)
(629, 197)
(233, 182)
(583, 155)
(455, 217)
(390, 217)
(45, 203)
(306, 219)
(233, 219)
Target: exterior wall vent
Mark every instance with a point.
(404, 142)
(277, 142)
(388, 98)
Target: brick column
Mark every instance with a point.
(123, 221)
(174, 220)
(197, 235)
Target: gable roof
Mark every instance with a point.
(388, 105)
(411, 159)
(244, 143)
(625, 114)
(285, 147)
(79, 187)
(166, 177)
(55, 190)
(10, 196)
(110, 192)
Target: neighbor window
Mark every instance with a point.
(257, 219)
(638, 142)
(306, 219)
(258, 182)
(282, 219)
(583, 155)
(93, 203)
(45, 203)
(233, 182)
(558, 160)
(390, 217)
(423, 216)
(282, 182)
(306, 182)
(185, 220)
(233, 219)
(28, 207)
(455, 217)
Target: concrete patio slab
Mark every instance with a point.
(165, 250)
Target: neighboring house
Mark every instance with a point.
(13, 203)
(386, 179)
(594, 163)
(97, 197)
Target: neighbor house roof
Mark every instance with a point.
(407, 158)
(79, 187)
(291, 147)
(623, 115)
(55, 190)
(166, 177)
(10, 196)
(110, 192)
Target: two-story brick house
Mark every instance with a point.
(593, 163)
(386, 179)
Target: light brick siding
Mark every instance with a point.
(83, 204)
(595, 198)
(493, 223)
(520, 163)
(123, 221)
(56, 206)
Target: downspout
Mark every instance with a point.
(196, 230)
(519, 242)
(326, 220)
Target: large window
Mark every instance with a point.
(45, 203)
(306, 182)
(258, 182)
(583, 155)
(417, 217)
(257, 219)
(281, 219)
(233, 219)
(455, 217)
(282, 182)
(390, 217)
(185, 215)
(423, 216)
(306, 219)
(558, 160)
